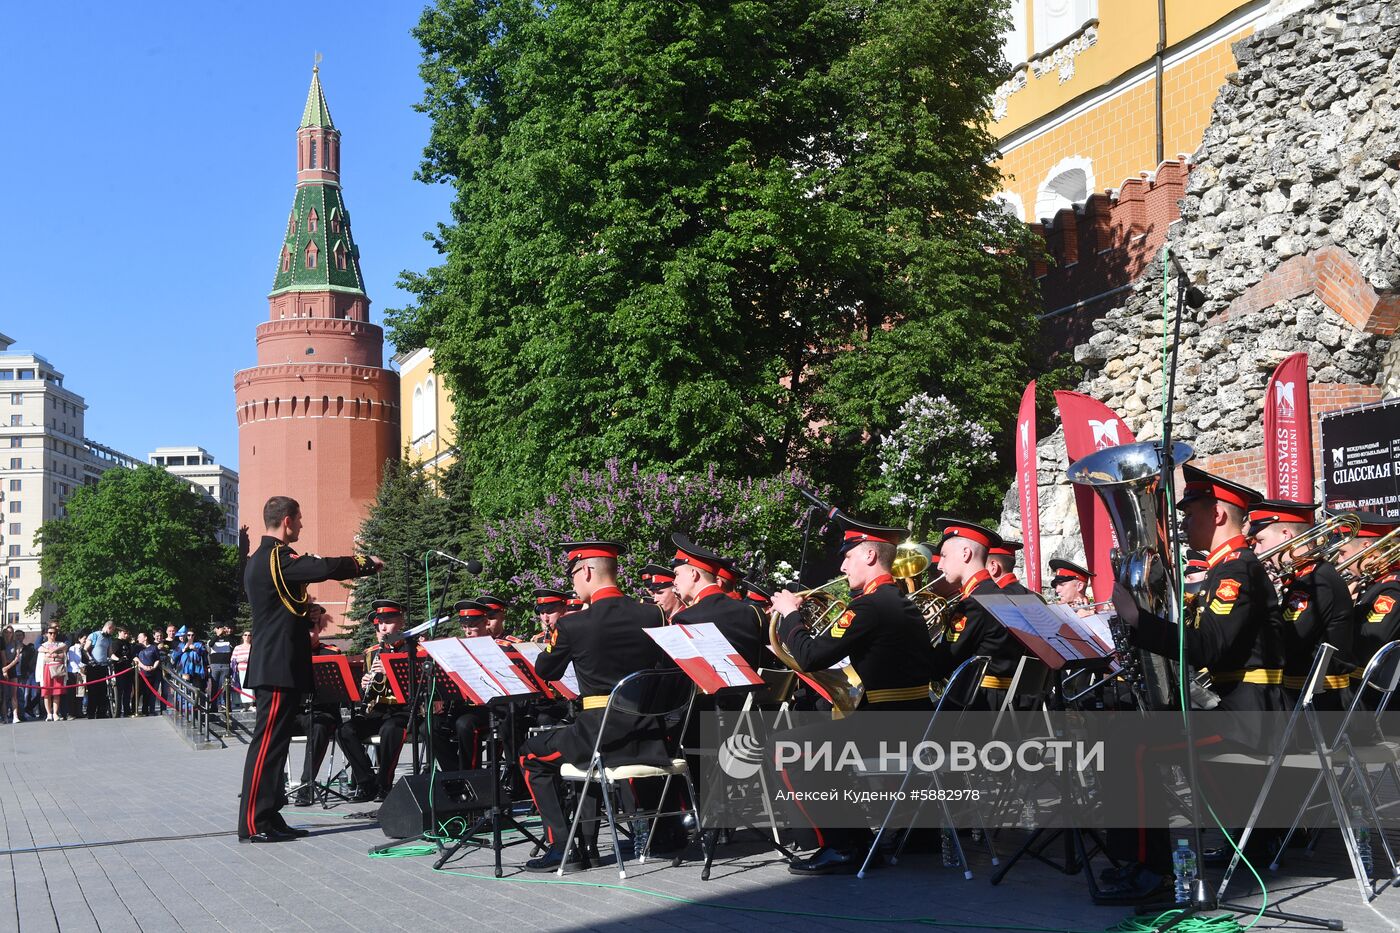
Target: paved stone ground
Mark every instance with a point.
(119, 826)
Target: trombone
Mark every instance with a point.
(1372, 560)
(1320, 543)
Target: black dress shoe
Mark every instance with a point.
(270, 835)
(292, 830)
(301, 799)
(551, 861)
(826, 861)
(362, 795)
(1117, 874)
(1141, 886)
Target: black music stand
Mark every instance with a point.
(501, 815)
(1063, 652)
(332, 683)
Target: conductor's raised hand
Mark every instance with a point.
(377, 562)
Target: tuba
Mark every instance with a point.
(1127, 480)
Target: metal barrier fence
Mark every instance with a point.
(191, 706)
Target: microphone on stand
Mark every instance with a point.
(427, 626)
(473, 566)
(1194, 296)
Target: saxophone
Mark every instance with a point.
(377, 691)
(1127, 480)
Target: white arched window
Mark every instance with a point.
(1068, 184)
(1013, 41)
(417, 412)
(429, 406)
(1009, 202)
(1057, 20)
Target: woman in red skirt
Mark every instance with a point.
(53, 666)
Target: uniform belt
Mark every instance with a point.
(895, 694)
(993, 682)
(597, 701)
(1299, 681)
(1255, 675)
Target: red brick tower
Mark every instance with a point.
(318, 415)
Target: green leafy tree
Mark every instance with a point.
(724, 232)
(138, 548)
(414, 512)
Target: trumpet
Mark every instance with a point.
(1321, 542)
(1372, 560)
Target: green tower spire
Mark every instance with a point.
(316, 113)
(318, 252)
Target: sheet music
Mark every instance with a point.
(715, 649)
(490, 656)
(452, 656)
(531, 652)
(675, 642)
(1097, 625)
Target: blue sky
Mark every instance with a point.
(148, 171)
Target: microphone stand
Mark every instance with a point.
(1201, 900)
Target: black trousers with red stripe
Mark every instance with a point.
(263, 780)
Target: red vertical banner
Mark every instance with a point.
(1090, 426)
(1288, 431)
(1028, 486)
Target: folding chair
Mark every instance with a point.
(1381, 674)
(1326, 758)
(646, 694)
(956, 696)
(748, 720)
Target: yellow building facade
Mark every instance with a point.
(427, 434)
(1102, 91)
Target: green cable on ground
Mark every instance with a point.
(1222, 924)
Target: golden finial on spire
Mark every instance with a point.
(316, 65)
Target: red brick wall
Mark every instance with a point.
(1105, 246)
(1333, 276)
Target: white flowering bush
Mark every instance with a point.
(934, 458)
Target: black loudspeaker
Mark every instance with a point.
(405, 811)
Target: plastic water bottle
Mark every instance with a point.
(950, 852)
(1362, 831)
(1184, 868)
(1029, 813)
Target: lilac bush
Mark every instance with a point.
(932, 460)
(755, 521)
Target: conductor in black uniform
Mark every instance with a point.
(886, 638)
(279, 665)
(696, 582)
(606, 642)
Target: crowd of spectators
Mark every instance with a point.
(109, 673)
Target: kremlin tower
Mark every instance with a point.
(318, 415)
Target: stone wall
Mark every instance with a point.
(1291, 226)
